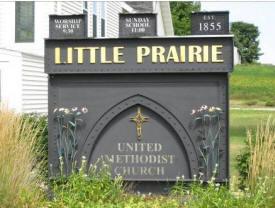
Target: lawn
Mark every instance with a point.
(252, 85)
(240, 121)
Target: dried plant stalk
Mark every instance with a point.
(262, 153)
(18, 179)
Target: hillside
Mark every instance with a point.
(252, 86)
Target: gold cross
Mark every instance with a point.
(139, 119)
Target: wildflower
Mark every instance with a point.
(218, 109)
(182, 177)
(67, 111)
(178, 178)
(61, 109)
(204, 107)
(187, 192)
(212, 109)
(195, 177)
(55, 110)
(84, 110)
(193, 112)
(201, 181)
(74, 109)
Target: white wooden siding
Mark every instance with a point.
(11, 82)
(71, 7)
(34, 84)
(112, 21)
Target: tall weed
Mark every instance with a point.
(262, 155)
(18, 165)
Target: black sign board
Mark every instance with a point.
(139, 93)
(210, 23)
(143, 55)
(68, 26)
(137, 25)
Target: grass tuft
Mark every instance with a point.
(262, 155)
(19, 181)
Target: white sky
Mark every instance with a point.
(261, 14)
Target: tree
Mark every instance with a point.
(246, 40)
(181, 16)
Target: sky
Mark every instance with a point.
(261, 14)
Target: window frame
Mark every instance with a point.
(94, 19)
(103, 19)
(19, 39)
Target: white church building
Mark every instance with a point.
(23, 27)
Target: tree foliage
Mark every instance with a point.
(181, 16)
(246, 40)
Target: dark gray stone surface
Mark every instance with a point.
(210, 23)
(68, 26)
(165, 99)
(137, 25)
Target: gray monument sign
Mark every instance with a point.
(154, 109)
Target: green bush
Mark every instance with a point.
(242, 165)
(94, 188)
(251, 102)
(211, 194)
(270, 103)
(40, 122)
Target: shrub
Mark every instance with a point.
(18, 165)
(270, 103)
(251, 102)
(242, 165)
(211, 194)
(40, 122)
(94, 188)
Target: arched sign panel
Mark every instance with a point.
(128, 144)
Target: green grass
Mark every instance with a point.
(252, 85)
(240, 121)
